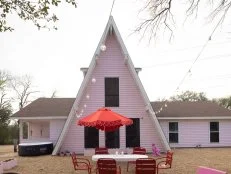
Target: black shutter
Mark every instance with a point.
(91, 137)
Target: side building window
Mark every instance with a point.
(91, 137)
(25, 130)
(133, 134)
(173, 132)
(214, 132)
(111, 92)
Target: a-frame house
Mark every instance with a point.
(111, 81)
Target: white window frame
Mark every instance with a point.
(173, 132)
(214, 132)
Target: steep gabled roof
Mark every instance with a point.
(200, 109)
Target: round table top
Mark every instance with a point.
(119, 157)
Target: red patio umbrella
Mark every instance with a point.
(105, 119)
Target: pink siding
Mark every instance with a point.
(195, 132)
(38, 132)
(111, 64)
(56, 127)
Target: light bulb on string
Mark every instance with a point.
(103, 47)
(85, 106)
(87, 96)
(93, 80)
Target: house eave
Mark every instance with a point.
(196, 118)
(39, 118)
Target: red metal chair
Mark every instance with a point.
(101, 150)
(107, 166)
(164, 162)
(81, 163)
(136, 150)
(145, 166)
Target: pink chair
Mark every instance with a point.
(207, 170)
(155, 150)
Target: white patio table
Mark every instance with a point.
(119, 157)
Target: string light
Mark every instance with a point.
(189, 72)
(93, 80)
(103, 47)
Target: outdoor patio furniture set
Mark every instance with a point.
(107, 163)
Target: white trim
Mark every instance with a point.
(173, 132)
(140, 86)
(214, 132)
(111, 24)
(196, 118)
(40, 118)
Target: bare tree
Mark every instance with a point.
(54, 94)
(160, 15)
(22, 86)
(4, 82)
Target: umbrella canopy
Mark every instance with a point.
(105, 119)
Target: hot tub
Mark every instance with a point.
(35, 149)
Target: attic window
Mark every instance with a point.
(111, 92)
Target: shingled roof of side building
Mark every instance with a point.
(44, 107)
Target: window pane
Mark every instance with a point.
(112, 86)
(214, 137)
(214, 126)
(111, 92)
(112, 139)
(91, 137)
(25, 130)
(133, 133)
(111, 101)
(173, 137)
(173, 127)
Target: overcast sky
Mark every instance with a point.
(54, 58)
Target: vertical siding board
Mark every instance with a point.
(111, 64)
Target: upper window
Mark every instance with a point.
(214, 132)
(91, 137)
(133, 134)
(111, 92)
(173, 132)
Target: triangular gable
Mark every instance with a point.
(111, 26)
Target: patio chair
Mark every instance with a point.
(81, 163)
(207, 170)
(107, 166)
(164, 162)
(101, 150)
(145, 166)
(136, 150)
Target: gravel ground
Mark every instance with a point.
(185, 161)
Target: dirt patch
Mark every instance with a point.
(185, 161)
